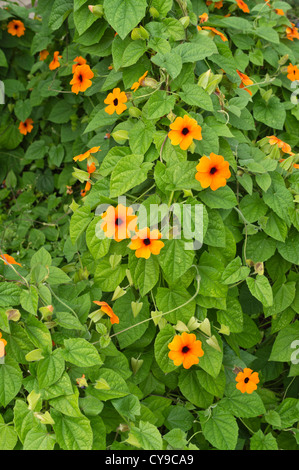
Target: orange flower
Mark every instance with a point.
(137, 84)
(81, 79)
(78, 61)
(85, 155)
(243, 6)
(268, 3)
(217, 5)
(214, 30)
(91, 168)
(296, 165)
(279, 11)
(9, 260)
(212, 172)
(185, 349)
(87, 188)
(292, 32)
(245, 81)
(273, 140)
(118, 222)
(183, 131)
(16, 28)
(3, 343)
(108, 310)
(81, 381)
(26, 126)
(247, 380)
(116, 101)
(203, 18)
(43, 54)
(146, 242)
(55, 62)
(293, 72)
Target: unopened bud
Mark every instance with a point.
(101, 384)
(214, 343)
(205, 327)
(185, 21)
(34, 355)
(118, 293)
(134, 112)
(180, 326)
(150, 82)
(120, 136)
(13, 314)
(114, 260)
(136, 364)
(136, 34)
(96, 10)
(136, 308)
(154, 12)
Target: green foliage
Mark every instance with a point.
(73, 377)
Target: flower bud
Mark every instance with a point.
(97, 10)
(134, 112)
(120, 136)
(154, 12)
(259, 268)
(185, 21)
(118, 293)
(150, 82)
(136, 364)
(180, 326)
(104, 341)
(136, 34)
(44, 418)
(193, 324)
(81, 381)
(33, 400)
(143, 32)
(13, 314)
(224, 330)
(283, 59)
(205, 327)
(136, 308)
(214, 343)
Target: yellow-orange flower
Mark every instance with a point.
(137, 84)
(86, 189)
(55, 62)
(43, 54)
(85, 155)
(16, 28)
(212, 171)
(91, 168)
(118, 222)
(203, 18)
(116, 102)
(214, 30)
(81, 78)
(185, 349)
(293, 72)
(3, 343)
(243, 6)
(183, 131)
(146, 242)
(81, 381)
(279, 11)
(26, 126)
(245, 81)
(273, 140)
(247, 380)
(9, 259)
(108, 310)
(217, 5)
(292, 32)
(78, 61)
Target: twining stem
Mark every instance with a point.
(65, 305)
(165, 313)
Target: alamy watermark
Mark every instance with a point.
(295, 354)
(295, 87)
(177, 221)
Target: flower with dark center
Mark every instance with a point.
(185, 349)
(183, 131)
(16, 28)
(247, 380)
(116, 102)
(146, 243)
(82, 78)
(118, 222)
(26, 126)
(212, 171)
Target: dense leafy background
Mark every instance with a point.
(246, 311)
